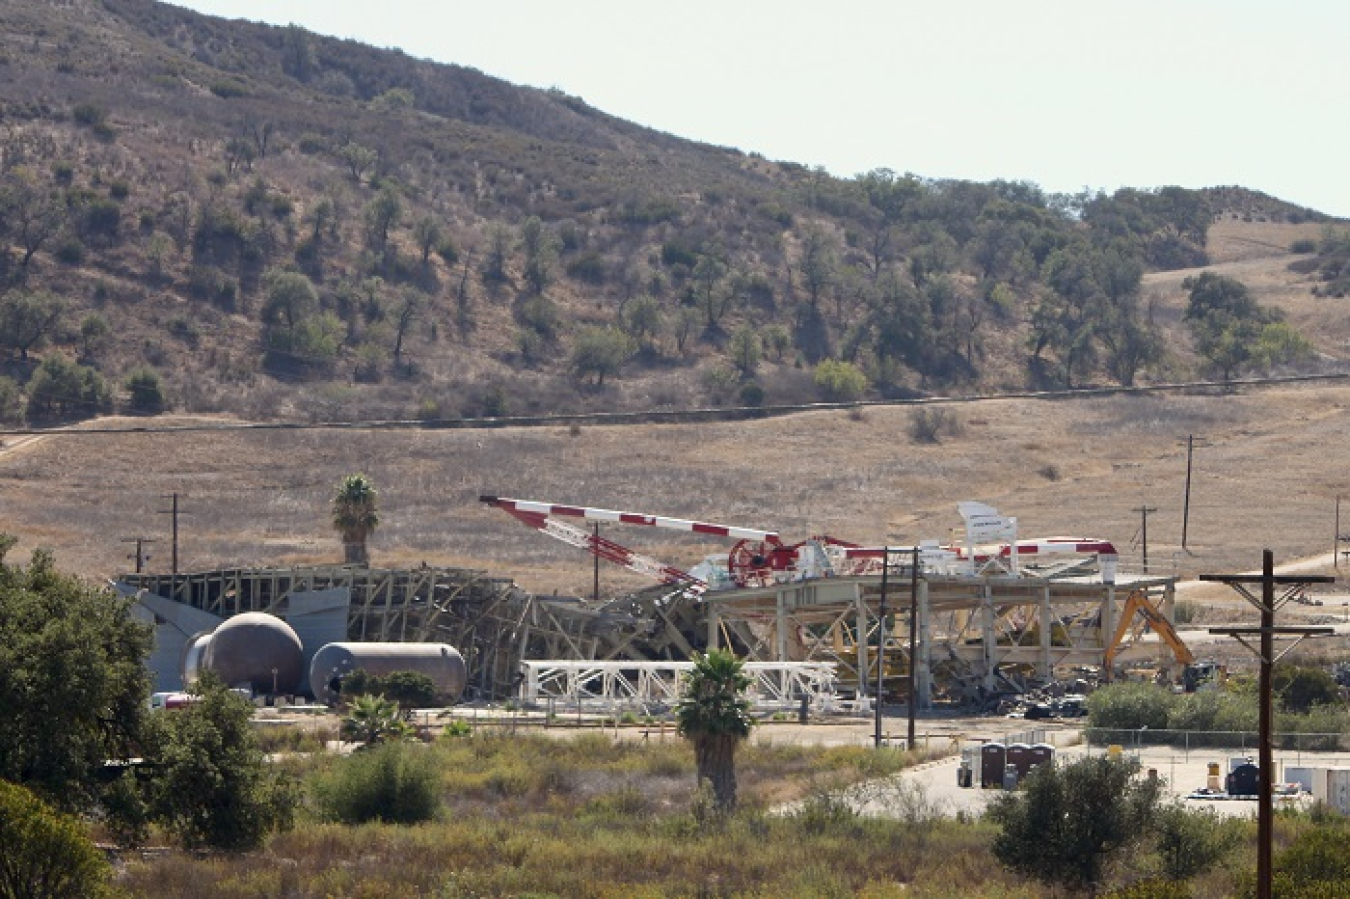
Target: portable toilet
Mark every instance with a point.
(1019, 757)
(1042, 754)
(993, 758)
(970, 763)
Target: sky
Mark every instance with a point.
(1064, 93)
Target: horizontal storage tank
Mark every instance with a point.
(438, 661)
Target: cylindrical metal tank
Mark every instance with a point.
(190, 661)
(438, 661)
(256, 650)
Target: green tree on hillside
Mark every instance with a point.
(714, 715)
(539, 246)
(601, 352)
(31, 213)
(27, 318)
(382, 214)
(1232, 330)
(60, 387)
(355, 516)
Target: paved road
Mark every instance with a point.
(1180, 772)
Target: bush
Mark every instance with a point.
(1068, 820)
(931, 425)
(1191, 840)
(1130, 707)
(214, 788)
(45, 854)
(1303, 245)
(1314, 865)
(394, 782)
(840, 382)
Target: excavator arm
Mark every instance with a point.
(1137, 602)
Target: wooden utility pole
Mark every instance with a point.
(1265, 651)
(913, 641)
(140, 556)
(174, 512)
(1186, 502)
(881, 645)
(1144, 510)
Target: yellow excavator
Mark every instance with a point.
(1137, 603)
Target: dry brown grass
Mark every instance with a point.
(1266, 475)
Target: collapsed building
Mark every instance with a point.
(817, 620)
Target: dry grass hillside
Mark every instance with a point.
(1266, 474)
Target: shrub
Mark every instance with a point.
(931, 425)
(46, 854)
(752, 395)
(1303, 245)
(1192, 840)
(395, 782)
(1131, 706)
(840, 382)
(88, 114)
(1315, 864)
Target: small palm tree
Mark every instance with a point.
(355, 516)
(373, 719)
(714, 715)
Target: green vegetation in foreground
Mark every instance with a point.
(527, 814)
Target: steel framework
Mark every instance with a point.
(650, 685)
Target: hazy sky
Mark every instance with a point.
(1066, 93)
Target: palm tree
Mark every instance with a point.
(355, 517)
(714, 715)
(373, 719)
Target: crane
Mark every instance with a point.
(758, 558)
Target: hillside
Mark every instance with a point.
(216, 216)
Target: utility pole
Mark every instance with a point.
(1267, 605)
(1144, 510)
(913, 641)
(595, 542)
(1186, 501)
(140, 556)
(174, 512)
(881, 643)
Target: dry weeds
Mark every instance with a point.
(1268, 467)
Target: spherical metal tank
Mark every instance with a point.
(256, 650)
(190, 661)
(438, 661)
